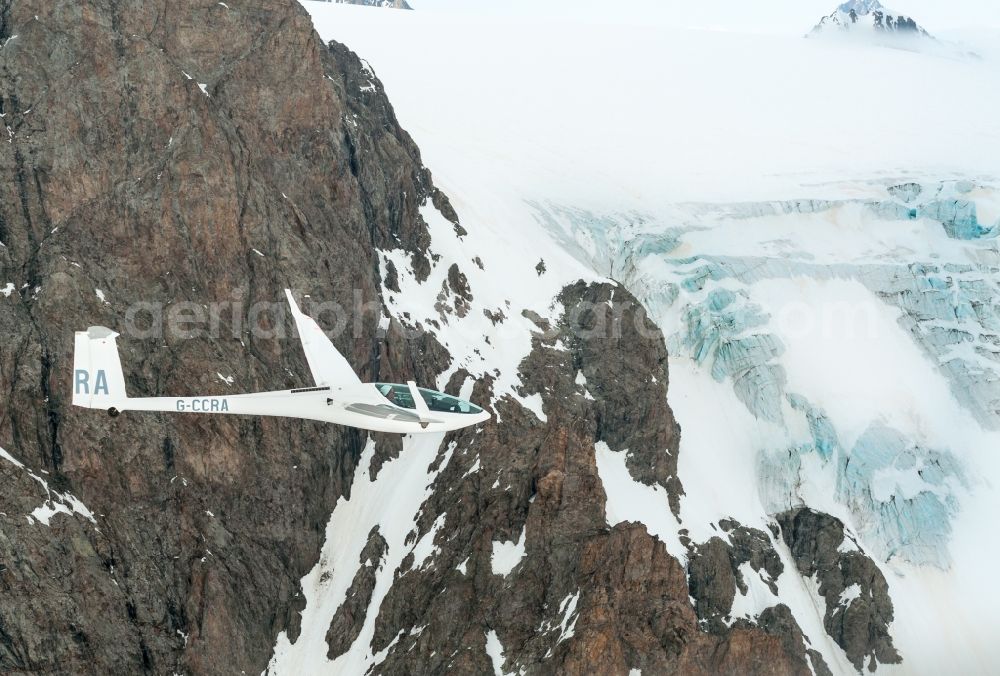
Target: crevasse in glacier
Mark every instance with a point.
(904, 494)
(927, 261)
(719, 334)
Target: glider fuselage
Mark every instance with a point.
(360, 406)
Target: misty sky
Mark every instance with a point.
(753, 15)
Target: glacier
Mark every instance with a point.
(705, 306)
(917, 304)
(825, 276)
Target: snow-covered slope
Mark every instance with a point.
(818, 246)
(658, 114)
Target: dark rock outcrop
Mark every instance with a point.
(778, 621)
(347, 621)
(858, 607)
(715, 577)
(629, 385)
(714, 570)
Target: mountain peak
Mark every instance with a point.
(861, 7)
(870, 15)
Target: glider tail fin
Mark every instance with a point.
(98, 381)
(328, 366)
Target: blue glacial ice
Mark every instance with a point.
(905, 494)
(958, 217)
(902, 494)
(719, 335)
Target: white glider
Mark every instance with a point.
(339, 396)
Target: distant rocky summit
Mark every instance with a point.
(869, 15)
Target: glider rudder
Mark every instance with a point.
(98, 381)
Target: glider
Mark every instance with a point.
(338, 396)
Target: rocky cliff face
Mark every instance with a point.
(207, 151)
(153, 151)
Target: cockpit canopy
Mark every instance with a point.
(436, 401)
